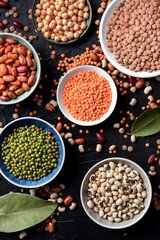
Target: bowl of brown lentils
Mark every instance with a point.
(61, 21)
(116, 193)
(130, 38)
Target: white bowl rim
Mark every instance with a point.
(128, 72)
(149, 191)
(36, 83)
(40, 185)
(113, 89)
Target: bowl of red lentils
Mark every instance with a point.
(87, 95)
(61, 21)
(129, 36)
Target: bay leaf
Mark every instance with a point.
(20, 211)
(147, 123)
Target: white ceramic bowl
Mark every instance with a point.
(95, 216)
(103, 28)
(66, 78)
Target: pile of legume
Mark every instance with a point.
(30, 152)
(87, 96)
(116, 192)
(133, 35)
(62, 20)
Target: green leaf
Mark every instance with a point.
(20, 211)
(147, 123)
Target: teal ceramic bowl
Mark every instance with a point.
(88, 22)
(38, 71)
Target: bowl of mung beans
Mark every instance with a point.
(61, 21)
(129, 36)
(32, 152)
(87, 95)
(116, 193)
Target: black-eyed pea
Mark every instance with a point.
(61, 209)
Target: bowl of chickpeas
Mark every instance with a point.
(61, 21)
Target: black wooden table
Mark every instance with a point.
(75, 225)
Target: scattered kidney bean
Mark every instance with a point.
(2, 25)
(94, 56)
(42, 227)
(79, 141)
(140, 83)
(111, 67)
(55, 189)
(68, 200)
(3, 4)
(17, 24)
(151, 159)
(4, 98)
(100, 137)
(43, 194)
(59, 127)
(131, 79)
(159, 162)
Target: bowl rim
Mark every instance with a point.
(113, 89)
(37, 79)
(70, 41)
(140, 74)
(63, 147)
(128, 161)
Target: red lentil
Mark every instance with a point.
(87, 96)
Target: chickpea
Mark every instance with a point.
(49, 11)
(64, 9)
(65, 28)
(71, 7)
(47, 34)
(52, 25)
(57, 38)
(83, 25)
(58, 7)
(39, 6)
(43, 13)
(46, 27)
(43, 30)
(70, 13)
(52, 36)
(75, 11)
(86, 15)
(70, 24)
(52, 7)
(65, 22)
(64, 15)
(81, 6)
(39, 19)
(76, 27)
(80, 13)
(48, 18)
(74, 18)
(61, 3)
(76, 35)
(86, 9)
(64, 39)
(70, 35)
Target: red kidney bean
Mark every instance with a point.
(100, 137)
(159, 162)
(10, 41)
(12, 95)
(4, 98)
(2, 25)
(68, 200)
(22, 69)
(151, 159)
(41, 228)
(17, 24)
(3, 4)
(43, 194)
(2, 49)
(131, 79)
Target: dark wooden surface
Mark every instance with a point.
(76, 225)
